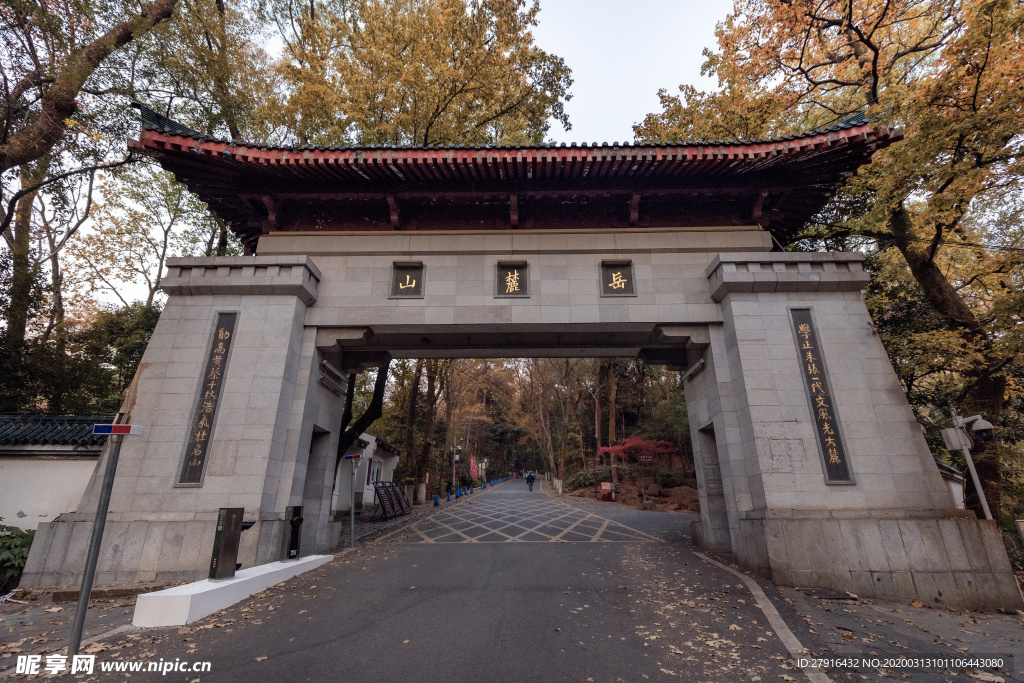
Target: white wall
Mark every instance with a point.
(34, 490)
(956, 489)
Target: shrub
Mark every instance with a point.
(14, 546)
(583, 479)
(670, 478)
(630, 473)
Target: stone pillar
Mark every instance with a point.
(159, 530)
(891, 530)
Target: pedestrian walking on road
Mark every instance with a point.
(529, 480)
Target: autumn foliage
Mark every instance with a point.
(938, 212)
(639, 449)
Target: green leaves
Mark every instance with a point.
(14, 547)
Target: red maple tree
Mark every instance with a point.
(639, 449)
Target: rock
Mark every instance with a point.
(648, 505)
(627, 494)
(654, 490)
(687, 498)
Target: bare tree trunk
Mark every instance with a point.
(56, 287)
(423, 465)
(23, 273)
(988, 392)
(222, 239)
(611, 427)
(410, 418)
(348, 435)
(597, 406)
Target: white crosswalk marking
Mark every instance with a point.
(517, 521)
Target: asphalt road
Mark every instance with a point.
(510, 585)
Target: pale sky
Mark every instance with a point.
(621, 52)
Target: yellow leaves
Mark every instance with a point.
(412, 71)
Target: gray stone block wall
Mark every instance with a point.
(944, 562)
(894, 531)
(157, 530)
(719, 292)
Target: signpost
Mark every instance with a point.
(352, 504)
(116, 431)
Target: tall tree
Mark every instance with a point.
(948, 73)
(49, 55)
(417, 71)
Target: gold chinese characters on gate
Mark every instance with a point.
(201, 432)
(512, 279)
(617, 278)
(820, 395)
(407, 280)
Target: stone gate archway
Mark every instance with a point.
(812, 468)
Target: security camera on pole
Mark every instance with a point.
(956, 438)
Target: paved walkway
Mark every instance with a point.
(507, 517)
(509, 585)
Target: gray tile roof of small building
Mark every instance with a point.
(54, 430)
(948, 468)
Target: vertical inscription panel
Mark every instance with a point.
(819, 393)
(201, 430)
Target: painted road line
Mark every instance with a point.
(774, 618)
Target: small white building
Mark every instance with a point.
(45, 464)
(377, 462)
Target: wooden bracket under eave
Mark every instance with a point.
(757, 211)
(634, 208)
(513, 209)
(271, 205)
(395, 214)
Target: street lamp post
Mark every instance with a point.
(456, 451)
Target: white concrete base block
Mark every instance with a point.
(184, 604)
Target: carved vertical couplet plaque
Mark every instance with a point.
(209, 395)
(819, 392)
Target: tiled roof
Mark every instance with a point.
(155, 121)
(385, 446)
(56, 430)
(258, 188)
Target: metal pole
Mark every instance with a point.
(352, 510)
(94, 545)
(977, 482)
